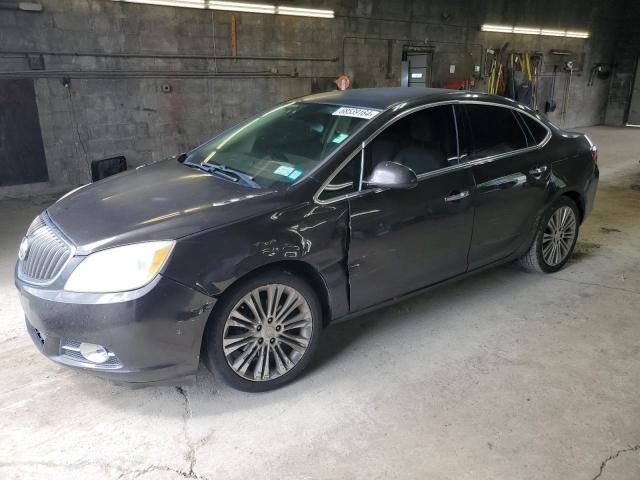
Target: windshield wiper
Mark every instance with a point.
(226, 172)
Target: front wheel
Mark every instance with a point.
(264, 332)
(555, 239)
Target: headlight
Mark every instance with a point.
(120, 269)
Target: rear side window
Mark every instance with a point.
(493, 130)
(537, 131)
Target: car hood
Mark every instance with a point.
(160, 201)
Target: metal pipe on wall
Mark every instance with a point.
(177, 56)
(401, 20)
(115, 74)
(407, 41)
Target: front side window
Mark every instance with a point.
(424, 141)
(282, 145)
(344, 182)
(494, 130)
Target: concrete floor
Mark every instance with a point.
(506, 375)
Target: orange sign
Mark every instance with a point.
(343, 82)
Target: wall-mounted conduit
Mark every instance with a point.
(115, 74)
(410, 42)
(169, 56)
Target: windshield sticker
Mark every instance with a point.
(365, 113)
(295, 174)
(339, 138)
(283, 170)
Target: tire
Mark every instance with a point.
(540, 257)
(266, 341)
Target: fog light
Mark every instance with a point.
(94, 353)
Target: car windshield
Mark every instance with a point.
(282, 145)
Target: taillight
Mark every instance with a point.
(594, 150)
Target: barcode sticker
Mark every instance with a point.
(365, 113)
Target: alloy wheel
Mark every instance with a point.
(558, 236)
(267, 332)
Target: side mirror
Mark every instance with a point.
(391, 175)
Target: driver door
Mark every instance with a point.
(404, 240)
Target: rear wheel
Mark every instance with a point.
(264, 332)
(555, 239)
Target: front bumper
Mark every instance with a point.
(155, 333)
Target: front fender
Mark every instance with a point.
(213, 260)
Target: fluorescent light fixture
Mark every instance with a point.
(29, 7)
(534, 31)
(239, 7)
(169, 3)
(553, 33)
(526, 30)
(242, 7)
(578, 34)
(497, 28)
(304, 12)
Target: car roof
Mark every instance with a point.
(377, 98)
(383, 98)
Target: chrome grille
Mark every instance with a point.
(46, 255)
(37, 223)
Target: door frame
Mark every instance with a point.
(636, 78)
(404, 66)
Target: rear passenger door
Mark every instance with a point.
(511, 174)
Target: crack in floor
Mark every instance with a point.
(155, 468)
(191, 453)
(604, 463)
(184, 473)
(107, 467)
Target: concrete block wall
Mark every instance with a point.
(151, 107)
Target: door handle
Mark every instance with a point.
(454, 197)
(538, 171)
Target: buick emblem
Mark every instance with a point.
(23, 251)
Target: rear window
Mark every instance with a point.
(537, 131)
(494, 130)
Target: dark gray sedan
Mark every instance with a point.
(244, 249)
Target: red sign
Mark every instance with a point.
(343, 82)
